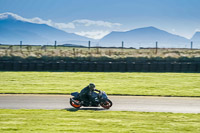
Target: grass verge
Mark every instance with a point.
(96, 121)
(154, 84)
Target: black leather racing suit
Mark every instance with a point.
(86, 94)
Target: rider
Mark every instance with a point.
(86, 93)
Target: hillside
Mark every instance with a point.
(12, 31)
(144, 37)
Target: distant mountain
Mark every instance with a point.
(72, 45)
(144, 37)
(12, 31)
(196, 38)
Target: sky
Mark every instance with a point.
(96, 18)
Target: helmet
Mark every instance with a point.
(91, 86)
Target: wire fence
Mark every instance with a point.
(116, 44)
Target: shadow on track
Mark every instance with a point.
(74, 109)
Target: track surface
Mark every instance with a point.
(120, 103)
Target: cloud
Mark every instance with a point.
(87, 22)
(64, 26)
(93, 34)
(81, 27)
(37, 21)
(10, 15)
(51, 23)
(94, 29)
(197, 30)
(72, 25)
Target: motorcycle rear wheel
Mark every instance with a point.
(107, 104)
(75, 105)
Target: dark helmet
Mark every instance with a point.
(91, 86)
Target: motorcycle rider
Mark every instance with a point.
(86, 94)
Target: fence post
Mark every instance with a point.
(20, 44)
(191, 44)
(156, 47)
(74, 52)
(55, 45)
(122, 44)
(89, 45)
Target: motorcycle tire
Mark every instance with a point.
(75, 105)
(107, 104)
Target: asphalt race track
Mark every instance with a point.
(120, 103)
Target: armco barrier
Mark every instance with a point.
(61, 66)
(107, 67)
(84, 66)
(101, 66)
(17, 66)
(198, 67)
(24, 66)
(130, 67)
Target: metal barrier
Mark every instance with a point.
(101, 66)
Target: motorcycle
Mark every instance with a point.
(98, 99)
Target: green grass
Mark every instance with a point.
(96, 121)
(158, 84)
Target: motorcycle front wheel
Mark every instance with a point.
(107, 104)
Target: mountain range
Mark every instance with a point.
(196, 38)
(12, 31)
(145, 37)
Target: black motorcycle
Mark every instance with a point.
(98, 99)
